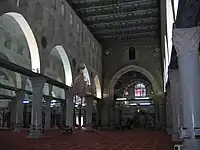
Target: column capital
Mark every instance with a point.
(186, 40)
(37, 82)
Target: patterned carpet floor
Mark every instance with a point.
(100, 140)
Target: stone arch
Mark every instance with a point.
(58, 92)
(28, 87)
(13, 19)
(10, 79)
(134, 82)
(133, 68)
(4, 102)
(98, 86)
(18, 76)
(66, 63)
(85, 73)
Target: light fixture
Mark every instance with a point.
(133, 104)
(121, 99)
(145, 104)
(26, 102)
(141, 98)
(53, 101)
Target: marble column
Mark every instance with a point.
(19, 110)
(12, 110)
(156, 111)
(161, 110)
(48, 112)
(89, 110)
(174, 78)
(106, 112)
(186, 42)
(99, 109)
(36, 114)
(69, 110)
(169, 113)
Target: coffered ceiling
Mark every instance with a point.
(120, 20)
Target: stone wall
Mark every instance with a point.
(147, 57)
(53, 23)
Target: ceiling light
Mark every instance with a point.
(121, 99)
(133, 104)
(145, 104)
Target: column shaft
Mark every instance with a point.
(186, 42)
(161, 111)
(176, 103)
(48, 113)
(169, 113)
(36, 114)
(69, 110)
(89, 108)
(19, 110)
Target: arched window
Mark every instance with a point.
(140, 90)
(131, 53)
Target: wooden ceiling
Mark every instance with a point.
(120, 19)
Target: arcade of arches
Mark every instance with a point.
(88, 66)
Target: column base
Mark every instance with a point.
(18, 127)
(35, 132)
(47, 127)
(88, 128)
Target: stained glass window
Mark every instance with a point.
(140, 90)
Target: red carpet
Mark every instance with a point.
(101, 140)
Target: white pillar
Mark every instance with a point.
(19, 110)
(48, 112)
(161, 110)
(106, 112)
(174, 78)
(36, 114)
(89, 110)
(12, 110)
(169, 113)
(186, 42)
(69, 110)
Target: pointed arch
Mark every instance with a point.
(98, 86)
(18, 76)
(66, 63)
(85, 73)
(29, 36)
(126, 69)
(58, 92)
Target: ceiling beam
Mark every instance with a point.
(117, 18)
(16, 68)
(126, 23)
(7, 87)
(140, 41)
(131, 37)
(126, 30)
(123, 14)
(117, 9)
(3, 97)
(86, 5)
(133, 33)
